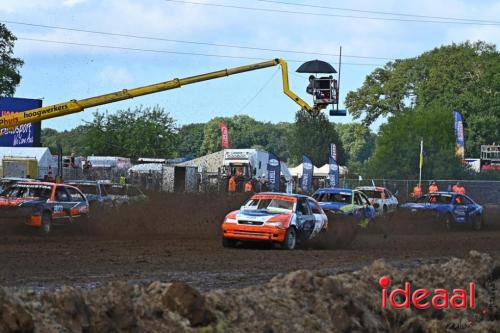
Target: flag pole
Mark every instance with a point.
(421, 162)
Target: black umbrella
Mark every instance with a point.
(316, 66)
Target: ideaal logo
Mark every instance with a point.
(401, 298)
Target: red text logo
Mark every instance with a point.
(401, 298)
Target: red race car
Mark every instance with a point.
(286, 219)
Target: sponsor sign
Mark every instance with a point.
(26, 135)
(307, 174)
(273, 172)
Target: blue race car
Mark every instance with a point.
(449, 207)
(346, 201)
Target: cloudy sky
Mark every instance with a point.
(59, 72)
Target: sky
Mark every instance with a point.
(58, 72)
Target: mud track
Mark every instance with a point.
(177, 238)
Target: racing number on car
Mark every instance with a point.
(58, 208)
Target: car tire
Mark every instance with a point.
(478, 222)
(448, 222)
(228, 242)
(290, 239)
(46, 223)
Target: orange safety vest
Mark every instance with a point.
(433, 188)
(459, 189)
(417, 191)
(248, 187)
(232, 185)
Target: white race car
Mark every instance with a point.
(381, 198)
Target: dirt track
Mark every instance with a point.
(149, 243)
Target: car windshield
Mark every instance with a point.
(28, 191)
(115, 189)
(333, 197)
(372, 194)
(273, 205)
(86, 188)
(440, 199)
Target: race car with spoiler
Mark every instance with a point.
(43, 205)
(285, 219)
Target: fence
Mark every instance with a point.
(482, 191)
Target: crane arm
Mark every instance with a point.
(56, 110)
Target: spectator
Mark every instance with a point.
(433, 187)
(417, 191)
(248, 186)
(231, 185)
(458, 188)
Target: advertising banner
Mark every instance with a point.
(459, 134)
(27, 135)
(333, 172)
(224, 134)
(307, 174)
(333, 151)
(273, 172)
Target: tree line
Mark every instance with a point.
(415, 96)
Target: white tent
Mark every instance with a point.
(318, 172)
(147, 167)
(42, 155)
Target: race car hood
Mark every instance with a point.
(261, 215)
(332, 206)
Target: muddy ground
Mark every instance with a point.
(177, 238)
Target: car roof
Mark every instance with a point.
(335, 190)
(373, 188)
(293, 195)
(38, 183)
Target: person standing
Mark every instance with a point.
(248, 186)
(433, 188)
(231, 185)
(458, 188)
(417, 191)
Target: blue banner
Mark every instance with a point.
(459, 134)
(333, 172)
(273, 172)
(307, 174)
(26, 135)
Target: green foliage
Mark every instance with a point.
(357, 140)
(189, 139)
(246, 132)
(71, 141)
(463, 77)
(131, 133)
(397, 151)
(9, 66)
(312, 135)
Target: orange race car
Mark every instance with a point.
(286, 219)
(42, 204)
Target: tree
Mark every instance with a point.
(190, 138)
(312, 135)
(142, 132)
(246, 132)
(357, 140)
(9, 66)
(71, 141)
(458, 76)
(397, 149)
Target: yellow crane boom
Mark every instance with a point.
(56, 110)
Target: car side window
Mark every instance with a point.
(302, 207)
(364, 200)
(75, 195)
(62, 194)
(461, 200)
(357, 199)
(314, 207)
(388, 194)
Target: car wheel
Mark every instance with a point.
(228, 242)
(478, 222)
(46, 223)
(290, 239)
(448, 222)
